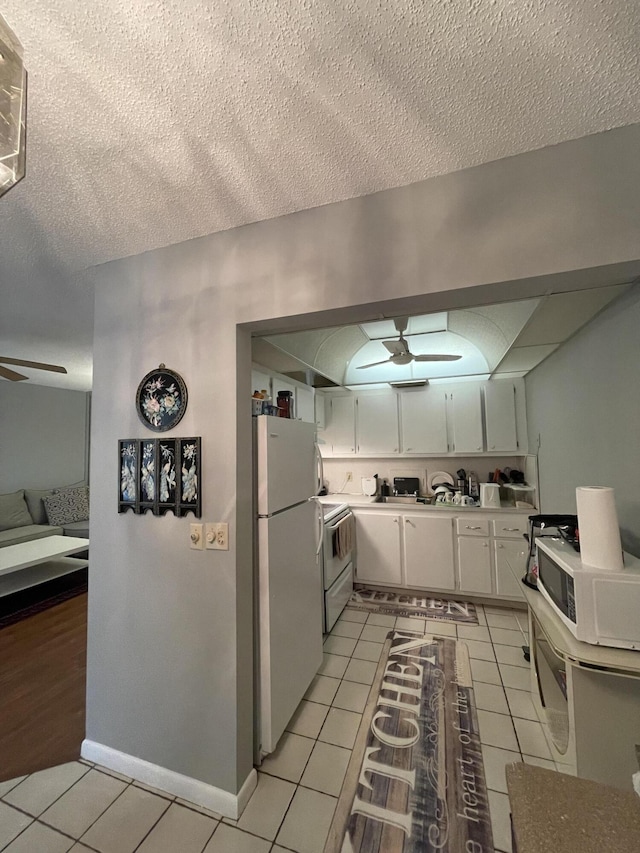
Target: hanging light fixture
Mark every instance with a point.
(13, 109)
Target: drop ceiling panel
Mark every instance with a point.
(521, 359)
(562, 314)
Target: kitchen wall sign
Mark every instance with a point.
(161, 399)
(159, 474)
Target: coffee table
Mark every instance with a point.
(39, 560)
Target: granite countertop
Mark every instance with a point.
(365, 500)
(555, 812)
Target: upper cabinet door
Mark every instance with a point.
(340, 432)
(377, 424)
(319, 404)
(466, 418)
(500, 413)
(424, 421)
(305, 409)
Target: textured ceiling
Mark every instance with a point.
(154, 122)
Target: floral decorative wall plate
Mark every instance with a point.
(161, 399)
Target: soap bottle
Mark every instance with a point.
(384, 489)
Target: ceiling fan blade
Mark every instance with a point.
(437, 357)
(399, 347)
(374, 364)
(37, 365)
(401, 323)
(11, 374)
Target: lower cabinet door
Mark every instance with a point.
(474, 564)
(428, 552)
(378, 548)
(510, 560)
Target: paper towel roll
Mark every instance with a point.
(600, 545)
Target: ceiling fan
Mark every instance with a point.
(400, 353)
(13, 376)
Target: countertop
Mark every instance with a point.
(555, 812)
(365, 500)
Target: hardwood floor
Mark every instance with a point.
(42, 688)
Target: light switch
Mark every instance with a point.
(196, 537)
(217, 535)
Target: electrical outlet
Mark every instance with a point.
(217, 535)
(195, 535)
(349, 476)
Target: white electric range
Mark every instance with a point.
(338, 563)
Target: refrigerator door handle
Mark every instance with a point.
(320, 466)
(320, 532)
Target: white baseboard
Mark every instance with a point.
(193, 790)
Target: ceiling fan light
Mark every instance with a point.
(13, 109)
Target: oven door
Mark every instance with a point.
(333, 564)
(550, 674)
(337, 598)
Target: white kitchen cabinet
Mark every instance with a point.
(423, 418)
(474, 564)
(459, 418)
(509, 556)
(304, 404)
(319, 408)
(407, 549)
(465, 418)
(340, 431)
(302, 396)
(428, 552)
(490, 550)
(500, 416)
(510, 550)
(378, 547)
(377, 424)
(260, 380)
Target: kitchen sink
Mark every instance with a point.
(403, 499)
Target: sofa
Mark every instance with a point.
(35, 513)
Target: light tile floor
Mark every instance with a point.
(81, 807)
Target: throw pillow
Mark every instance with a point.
(67, 506)
(34, 498)
(14, 511)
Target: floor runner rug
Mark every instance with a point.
(28, 602)
(415, 782)
(418, 604)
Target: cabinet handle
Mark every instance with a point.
(408, 521)
(511, 529)
(485, 544)
(472, 527)
(397, 520)
(409, 449)
(395, 449)
(500, 545)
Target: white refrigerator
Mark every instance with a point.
(289, 571)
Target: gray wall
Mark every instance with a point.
(170, 641)
(43, 436)
(584, 403)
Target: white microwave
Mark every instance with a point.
(597, 606)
